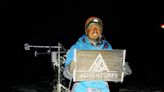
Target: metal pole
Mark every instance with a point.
(59, 85)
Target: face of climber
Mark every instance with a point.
(94, 31)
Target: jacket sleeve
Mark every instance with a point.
(69, 58)
(70, 55)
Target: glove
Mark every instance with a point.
(71, 67)
(126, 69)
(68, 71)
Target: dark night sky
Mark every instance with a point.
(134, 26)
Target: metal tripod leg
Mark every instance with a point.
(55, 57)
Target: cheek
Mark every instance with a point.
(99, 32)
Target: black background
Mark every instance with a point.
(130, 25)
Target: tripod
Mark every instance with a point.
(56, 62)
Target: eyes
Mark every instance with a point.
(94, 28)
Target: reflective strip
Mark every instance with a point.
(93, 90)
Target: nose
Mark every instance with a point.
(95, 29)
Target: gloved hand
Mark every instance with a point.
(68, 71)
(71, 67)
(126, 69)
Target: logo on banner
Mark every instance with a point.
(99, 65)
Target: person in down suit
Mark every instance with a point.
(91, 40)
